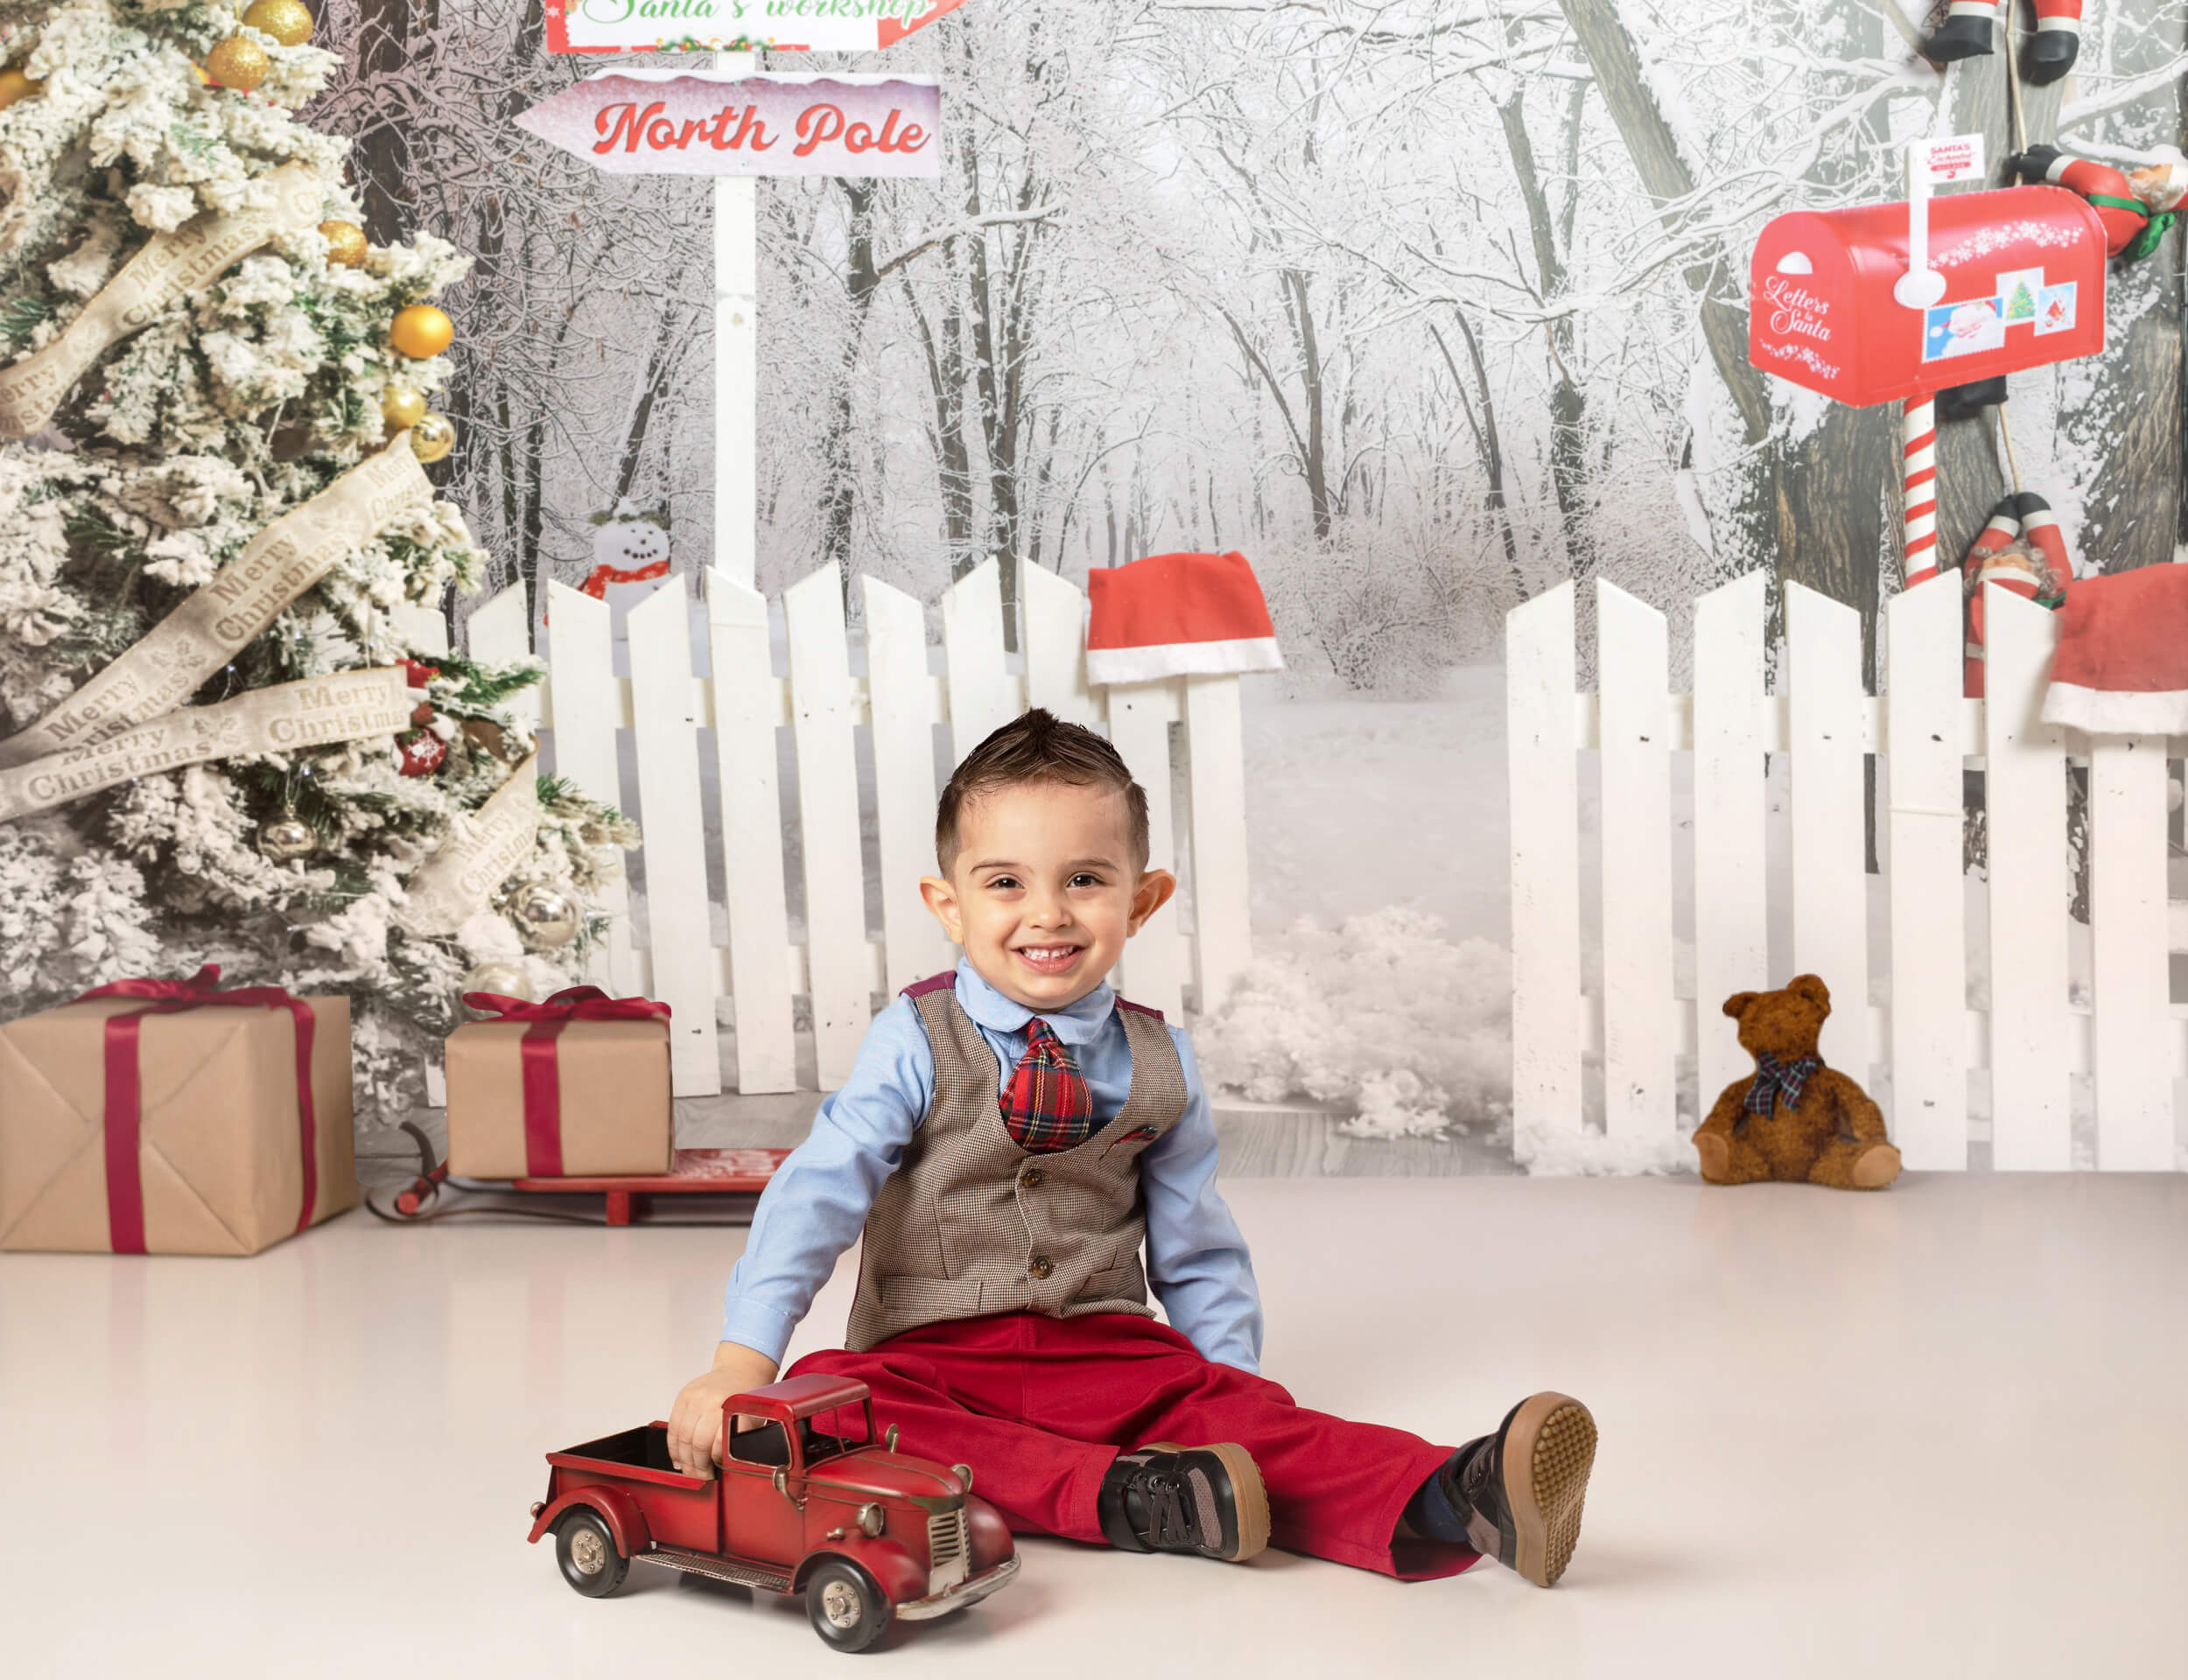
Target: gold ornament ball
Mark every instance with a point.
(502, 979)
(238, 63)
(285, 20)
(401, 408)
(545, 916)
(422, 331)
(345, 244)
(15, 85)
(432, 438)
(283, 839)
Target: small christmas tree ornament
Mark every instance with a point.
(283, 839)
(432, 438)
(238, 62)
(285, 20)
(15, 85)
(545, 918)
(345, 241)
(401, 408)
(421, 331)
(502, 980)
(420, 753)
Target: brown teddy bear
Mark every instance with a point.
(1794, 1118)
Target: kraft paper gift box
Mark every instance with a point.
(181, 1132)
(551, 1093)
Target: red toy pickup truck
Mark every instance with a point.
(809, 1500)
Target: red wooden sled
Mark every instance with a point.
(627, 1197)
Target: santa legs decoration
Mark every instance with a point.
(1968, 31)
(1965, 33)
(2058, 40)
(2135, 207)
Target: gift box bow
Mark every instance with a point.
(543, 1082)
(123, 1116)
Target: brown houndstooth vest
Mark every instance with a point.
(970, 1224)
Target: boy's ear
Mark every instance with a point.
(1153, 893)
(941, 898)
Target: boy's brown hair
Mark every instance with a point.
(1036, 747)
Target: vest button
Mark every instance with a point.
(1041, 1267)
(1030, 1177)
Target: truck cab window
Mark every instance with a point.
(763, 1444)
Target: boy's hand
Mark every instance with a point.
(695, 1425)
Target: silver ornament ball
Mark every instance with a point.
(283, 839)
(545, 916)
(502, 979)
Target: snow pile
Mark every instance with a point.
(1384, 1016)
(1557, 1152)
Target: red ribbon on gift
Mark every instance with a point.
(124, 1115)
(542, 1081)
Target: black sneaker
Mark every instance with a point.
(1207, 1499)
(1520, 1490)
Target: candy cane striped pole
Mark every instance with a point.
(1919, 443)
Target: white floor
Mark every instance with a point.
(1937, 1431)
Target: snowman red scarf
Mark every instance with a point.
(1177, 615)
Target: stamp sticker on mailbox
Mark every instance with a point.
(2055, 309)
(1963, 329)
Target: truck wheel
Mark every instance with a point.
(847, 1609)
(586, 1552)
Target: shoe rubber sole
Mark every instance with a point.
(1549, 1449)
(1249, 1499)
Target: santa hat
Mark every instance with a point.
(2121, 667)
(1177, 615)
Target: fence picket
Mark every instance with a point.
(1222, 941)
(1823, 648)
(1929, 935)
(837, 957)
(422, 627)
(2134, 1060)
(981, 696)
(500, 632)
(1731, 897)
(1153, 970)
(1639, 1093)
(1545, 904)
(912, 942)
(580, 660)
(1055, 646)
(666, 731)
(744, 712)
(2025, 786)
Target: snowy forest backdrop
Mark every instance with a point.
(1424, 304)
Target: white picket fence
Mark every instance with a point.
(2033, 1037)
(589, 716)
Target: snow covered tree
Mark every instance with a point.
(216, 743)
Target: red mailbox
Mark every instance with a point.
(2025, 285)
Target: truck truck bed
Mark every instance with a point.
(680, 1510)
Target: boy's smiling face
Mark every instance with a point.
(1045, 890)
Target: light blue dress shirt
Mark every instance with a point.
(817, 1204)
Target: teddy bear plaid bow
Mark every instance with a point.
(1048, 1106)
(1772, 1076)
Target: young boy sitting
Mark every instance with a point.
(1011, 1134)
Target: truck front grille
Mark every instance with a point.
(946, 1549)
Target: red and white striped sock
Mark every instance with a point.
(2058, 42)
(1965, 33)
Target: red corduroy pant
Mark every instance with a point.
(1039, 1407)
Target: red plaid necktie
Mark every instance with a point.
(1048, 1106)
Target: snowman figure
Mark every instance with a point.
(628, 547)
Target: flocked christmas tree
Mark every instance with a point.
(215, 743)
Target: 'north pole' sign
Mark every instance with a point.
(682, 122)
(736, 25)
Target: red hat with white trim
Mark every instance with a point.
(1177, 615)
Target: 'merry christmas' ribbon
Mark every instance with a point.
(485, 845)
(124, 1111)
(161, 670)
(353, 705)
(168, 270)
(543, 1082)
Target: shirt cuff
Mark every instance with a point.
(762, 1329)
